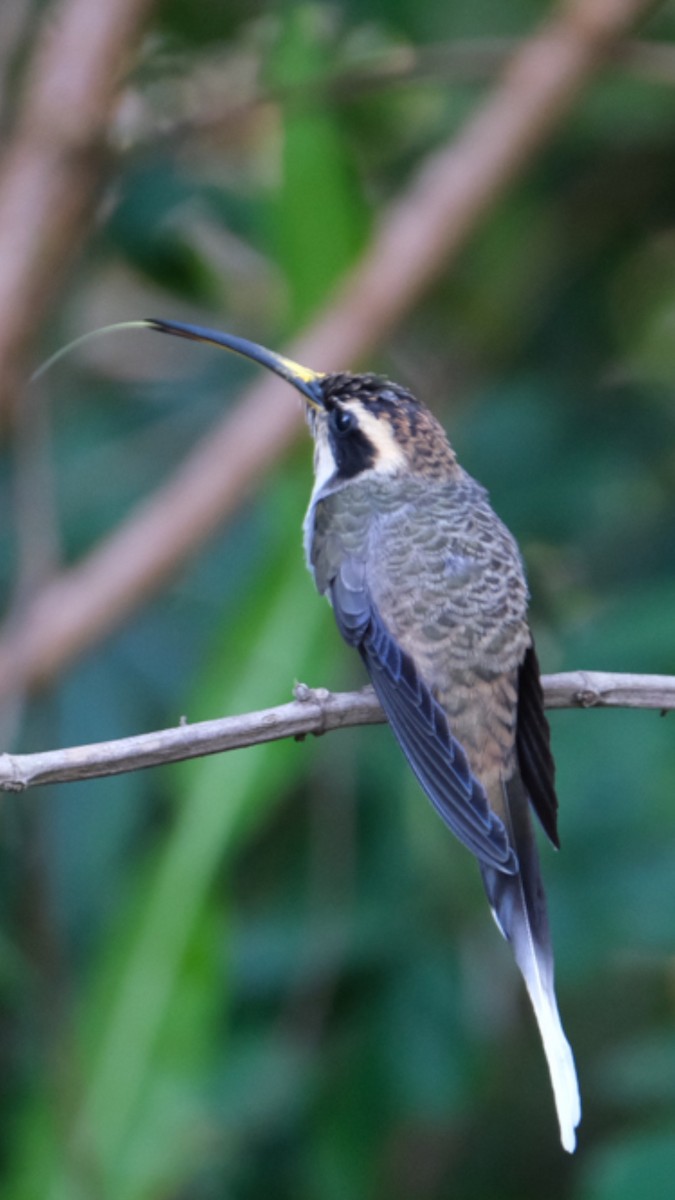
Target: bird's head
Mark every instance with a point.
(359, 422)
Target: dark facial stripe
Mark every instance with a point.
(353, 452)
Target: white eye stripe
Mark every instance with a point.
(389, 454)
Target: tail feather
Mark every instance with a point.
(519, 907)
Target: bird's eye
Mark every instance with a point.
(343, 420)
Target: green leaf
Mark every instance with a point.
(320, 214)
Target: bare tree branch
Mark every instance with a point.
(314, 710)
(53, 164)
(421, 232)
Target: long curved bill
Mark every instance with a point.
(303, 378)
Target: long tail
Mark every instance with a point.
(519, 907)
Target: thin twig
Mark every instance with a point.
(427, 226)
(314, 710)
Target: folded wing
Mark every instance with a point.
(419, 722)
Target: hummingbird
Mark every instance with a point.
(428, 585)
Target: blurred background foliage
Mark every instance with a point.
(271, 973)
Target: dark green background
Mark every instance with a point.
(273, 973)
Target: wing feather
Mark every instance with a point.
(533, 746)
(419, 723)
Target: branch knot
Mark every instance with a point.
(316, 696)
